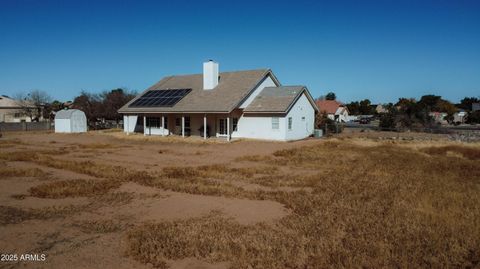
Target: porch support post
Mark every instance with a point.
(128, 124)
(228, 128)
(205, 126)
(144, 124)
(163, 125)
(183, 126)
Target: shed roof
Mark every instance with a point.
(67, 114)
(277, 99)
(233, 88)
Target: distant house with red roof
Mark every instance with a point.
(335, 110)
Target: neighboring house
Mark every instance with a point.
(459, 117)
(439, 117)
(11, 110)
(241, 104)
(70, 121)
(380, 109)
(335, 110)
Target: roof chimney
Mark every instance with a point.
(210, 75)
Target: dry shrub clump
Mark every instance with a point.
(96, 146)
(28, 155)
(13, 215)
(100, 226)
(254, 158)
(73, 188)
(467, 152)
(115, 198)
(6, 172)
(11, 143)
(95, 169)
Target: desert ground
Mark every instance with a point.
(107, 200)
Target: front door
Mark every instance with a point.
(222, 126)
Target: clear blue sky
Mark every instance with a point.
(379, 50)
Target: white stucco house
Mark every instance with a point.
(335, 110)
(70, 121)
(240, 104)
(12, 110)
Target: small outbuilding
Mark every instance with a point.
(70, 121)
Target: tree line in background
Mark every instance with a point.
(97, 107)
(103, 106)
(407, 113)
(410, 113)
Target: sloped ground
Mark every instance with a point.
(105, 200)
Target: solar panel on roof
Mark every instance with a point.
(160, 98)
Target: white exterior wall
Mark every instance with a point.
(210, 75)
(268, 82)
(129, 123)
(156, 131)
(342, 114)
(300, 128)
(62, 126)
(260, 127)
(78, 122)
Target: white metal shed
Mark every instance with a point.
(70, 121)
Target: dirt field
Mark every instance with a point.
(107, 200)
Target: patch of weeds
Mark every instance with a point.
(73, 188)
(216, 239)
(100, 226)
(115, 198)
(254, 158)
(13, 215)
(467, 152)
(18, 196)
(163, 151)
(6, 172)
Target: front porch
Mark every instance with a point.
(218, 125)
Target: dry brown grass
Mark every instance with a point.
(13, 215)
(215, 239)
(467, 152)
(11, 143)
(371, 206)
(163, 139)
(100, 226)
(254, 158)
(73, 188)
(29, 155)
(6, 172)
(115, 198)
(97, 146)
(94, 169)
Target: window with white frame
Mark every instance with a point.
(275, 123)
(153, 122)
(290, 123)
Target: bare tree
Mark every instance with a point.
(32, 104)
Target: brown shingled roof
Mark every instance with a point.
(277, 99)
(233, 88)
(329, 106)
